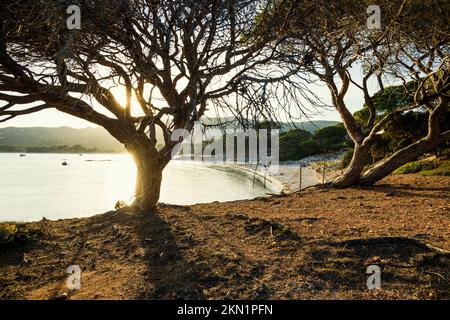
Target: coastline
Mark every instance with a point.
(271, 183)
(282, 179)
(285, 177)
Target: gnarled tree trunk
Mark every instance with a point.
(398, 159)
(149, 174)
(413, 151)
(353, 173)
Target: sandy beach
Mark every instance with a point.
(293, 176)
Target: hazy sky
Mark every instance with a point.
(53, 118)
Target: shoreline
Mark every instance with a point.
(285, 177)
(281, 179)
(270, 183)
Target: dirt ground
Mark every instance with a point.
(316, 244)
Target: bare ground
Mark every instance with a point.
(315, 244)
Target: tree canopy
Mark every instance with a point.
(329, 40)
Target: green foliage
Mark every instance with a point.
(290, 144)
(415, 167)
(441, 170)
(296, 144)
(332, 138)
(385, 101)
(404, 128)
(120, 205)
(426, 167)
(12, 234)
(293, 136)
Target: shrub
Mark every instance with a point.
(412, 167)
(442, 170)
(120, 205)
(426, 167)
(297, 143)
(12, 234)
(331, 138)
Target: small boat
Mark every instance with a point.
(22, 155)
(65, 163)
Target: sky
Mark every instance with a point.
(54, 118)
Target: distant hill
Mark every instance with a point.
(46, 137)
(310, 126)
(98, 137)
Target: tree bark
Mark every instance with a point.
(353, 173)
(411, 152)
(398, 159)
(149, 175)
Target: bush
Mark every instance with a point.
(412, 167)
(120, 205)
(16, 234)
(290, 144)
(297, 144)
(426, 168)
(331, 138)
(442, 170)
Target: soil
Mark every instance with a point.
(314, 244)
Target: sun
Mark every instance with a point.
(121, 97)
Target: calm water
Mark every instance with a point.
(38, 185)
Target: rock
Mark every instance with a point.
(26, 259)
(62, 296)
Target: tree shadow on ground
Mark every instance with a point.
(410, 191)
(13, 256)
(121, 254)
(168, 274)
(406, 264)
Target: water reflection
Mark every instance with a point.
(39, 185)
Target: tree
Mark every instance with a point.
(297, 143)
(329, 40)
(169, 58)
(403, 129)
